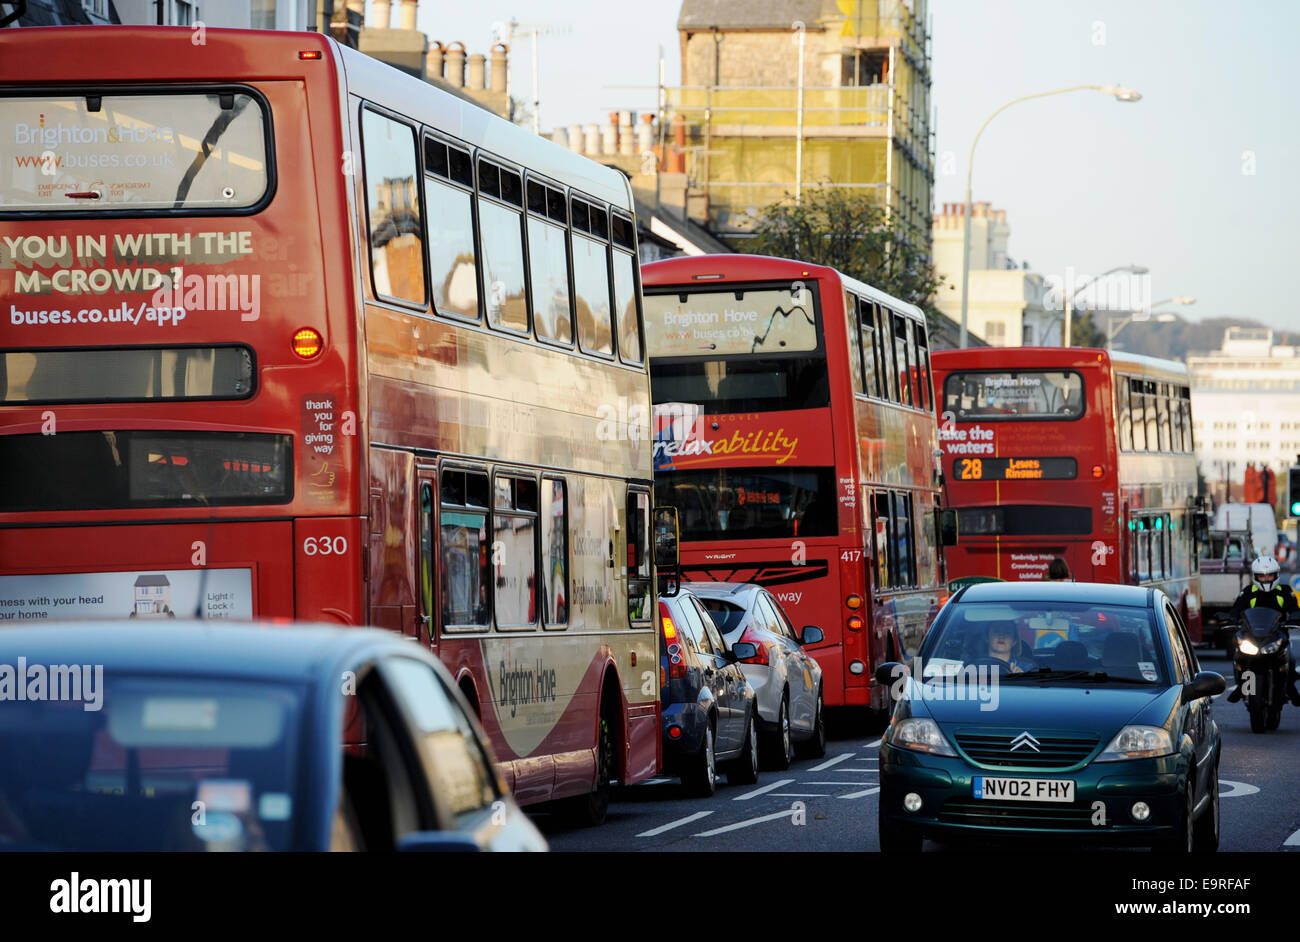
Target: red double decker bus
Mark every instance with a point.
(1074, 453)
(795, 435)
(289, 334)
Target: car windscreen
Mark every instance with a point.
(135, 763)
(726, 615)
(1060, 637)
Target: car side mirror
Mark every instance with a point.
(743, 650)
(811, 634)
(889, 672)
(441, 842)
(1204, 684)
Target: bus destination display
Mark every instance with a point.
(1015, 469)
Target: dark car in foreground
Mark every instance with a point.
(214, 736)
(709, 711)
(1040, 711)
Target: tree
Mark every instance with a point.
(835, 227)
(1083, 332)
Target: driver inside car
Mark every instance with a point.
(1003, 644)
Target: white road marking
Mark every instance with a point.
(1236, 789)
(872, 759)
(675, 824)
(799, 795)
(862, 794)
(872, 745)
(1291, 841)
(763, 789)
(657, 781)
(829, 762)
(749, 822)
(841, 783)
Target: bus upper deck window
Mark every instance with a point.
(394, 207)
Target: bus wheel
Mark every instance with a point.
(589, 810)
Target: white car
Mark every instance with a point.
(788, 682)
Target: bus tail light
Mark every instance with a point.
(1098, 470)
(672, 645)
(854, 623)
(853, 601)
(761, 657)
(307, 343)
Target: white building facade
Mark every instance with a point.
(1005, 303)
(1245, 408)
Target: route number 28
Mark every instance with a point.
(325, 545)
(971, 469)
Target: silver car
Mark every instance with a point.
(788, 682)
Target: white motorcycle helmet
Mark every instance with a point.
(1264, 571)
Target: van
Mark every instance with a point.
(1259, 519)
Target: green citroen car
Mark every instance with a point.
(1073, 711)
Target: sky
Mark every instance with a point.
(1197, 182)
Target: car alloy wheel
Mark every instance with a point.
(815, 747)
(1207, 829)
(710, 769)
(787, 744)
(701, 780)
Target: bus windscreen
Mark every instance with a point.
(991, 396)
(130, 151)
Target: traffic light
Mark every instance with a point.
(1293, 491)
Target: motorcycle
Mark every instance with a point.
(1263, 649)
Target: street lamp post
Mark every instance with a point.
(1069, 298)
(1164, 318)
(1119, 92)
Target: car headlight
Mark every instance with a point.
(919, 734)
(1138, 742)
(1247, 646)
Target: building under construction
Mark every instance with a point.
(780, 96)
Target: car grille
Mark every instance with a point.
(1015, 814)
(1054, 752)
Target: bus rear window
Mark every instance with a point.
(750, 503)
(745, 322)
(990, 397)
(187, 151)
(124, 374)
(127, 469)
(1024, 520)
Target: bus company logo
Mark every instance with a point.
(519, 686)
(52, 135)
(947, 681)
(241, 294)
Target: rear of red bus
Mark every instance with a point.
(1029, 462)
(177, 361)
(748, 384)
